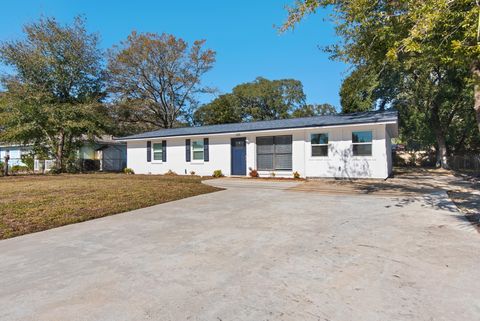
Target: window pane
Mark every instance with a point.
(198, 155)
(320, 150)
(265, 145)
(157, 152)
(265, 162)
(362, 150)
(239, 143)
(274, 152)
(283, 161)
(283, 144)
(197, 145)
(362, 137)
(319, 138)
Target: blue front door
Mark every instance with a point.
(239, 156)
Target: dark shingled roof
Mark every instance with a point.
(317, 121)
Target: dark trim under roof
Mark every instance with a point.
(317, 121)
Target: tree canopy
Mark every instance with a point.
(261, 99)
(154, 78)
(418, 56)
(310, 110)
(53, 96)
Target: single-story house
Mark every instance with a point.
(342, 146)
(110, 154)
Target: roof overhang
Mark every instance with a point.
(392, 123)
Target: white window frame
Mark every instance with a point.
(153, 152)
(364, 143)
(193, 160)
(327, 144)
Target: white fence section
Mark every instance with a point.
(41, 166)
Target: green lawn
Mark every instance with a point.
(35, 203)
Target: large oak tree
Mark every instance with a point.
(53, 94)
(261, 99)
(413, 54)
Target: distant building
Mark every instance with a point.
(104, 154)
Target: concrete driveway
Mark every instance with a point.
(255, 251)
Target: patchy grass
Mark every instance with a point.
(35, 203)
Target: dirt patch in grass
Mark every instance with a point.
(35, 203)
(392, 187)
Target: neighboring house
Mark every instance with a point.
(344, 146)
(110, 155)
(15, 152)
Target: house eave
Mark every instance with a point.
(238, 133)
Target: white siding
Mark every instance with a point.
(388, 142)
(219, 152)
(340, 162)
(15, 153)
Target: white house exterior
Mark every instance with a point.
(341, 146)
(14, 152)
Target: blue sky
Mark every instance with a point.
(241, 32)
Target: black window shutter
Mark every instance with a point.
(206, 158)
(164, 150)
(187, 150)
(149, 151)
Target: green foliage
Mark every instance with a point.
(296, 175)
(19, 169)
(314, 110)
(29, 161)
(419, 56)
(357, 92)
(265, 99)
(53, 96)
(55, 171)
(217, 173)
(222, 110)
(262, 99)
(128, 171)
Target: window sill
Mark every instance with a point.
(156, 162)
(369, 158)
(319, 158)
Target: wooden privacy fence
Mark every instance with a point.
(469, 163)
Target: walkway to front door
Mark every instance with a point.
(239, 156)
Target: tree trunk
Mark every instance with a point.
(441, 151)
(439, 132)
(476, 106)
(59, 154)
(5, 165)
